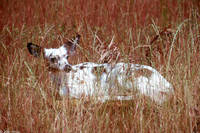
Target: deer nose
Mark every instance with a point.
(68, 68)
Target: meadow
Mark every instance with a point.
(164, 34)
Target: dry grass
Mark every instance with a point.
(164, 34)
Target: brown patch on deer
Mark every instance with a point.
(82, 82)
(82, 67)
(142, 72)
(99, 70)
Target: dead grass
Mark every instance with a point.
(163, 34)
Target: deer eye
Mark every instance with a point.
(67, 57)
(53, 60)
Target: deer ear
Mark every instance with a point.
(34, 49)
(71, 44)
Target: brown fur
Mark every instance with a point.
(97, 71)
(82, 67)
(142, 72)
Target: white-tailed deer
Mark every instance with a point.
(122, 81)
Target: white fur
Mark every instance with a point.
(111, 84)
(104, 81)
(60, 54)
(105, 86)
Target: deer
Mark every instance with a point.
(103, 82)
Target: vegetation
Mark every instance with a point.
(164, 34)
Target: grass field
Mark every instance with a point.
(164, 34)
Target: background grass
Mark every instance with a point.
(164, 34)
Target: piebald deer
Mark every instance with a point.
(102, 81)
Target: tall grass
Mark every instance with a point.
(164, 34)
